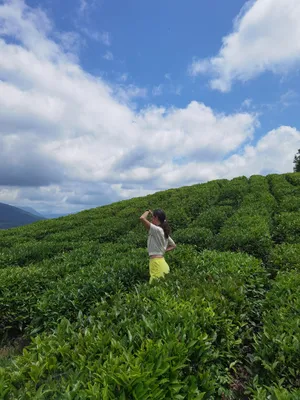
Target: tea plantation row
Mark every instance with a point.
(223, 325)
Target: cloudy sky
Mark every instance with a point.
(103, 100)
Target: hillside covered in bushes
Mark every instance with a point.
(225, 323)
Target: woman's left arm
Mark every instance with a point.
(169, 248)
(143, 219)
(171, 244)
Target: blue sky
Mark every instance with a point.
(106, 100)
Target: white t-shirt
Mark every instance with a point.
(157, 243)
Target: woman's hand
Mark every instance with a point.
(143, 219)
(146, 213)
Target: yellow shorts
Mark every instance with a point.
(158, 268)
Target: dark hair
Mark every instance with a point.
(161, 215)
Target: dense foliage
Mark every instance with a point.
(224, 324)
(297, 162)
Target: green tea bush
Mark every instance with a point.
(258, 183)
(177, 217)
(200, 237)
(277, 347)
(8, 239)
(261, 202)
(136, 237)
(201, 197)
(111, 229)
(284, 257)
(125, 351)
(221, 182)
(234, 191)
(293, 178)
(159, 199)
(276, 393)
(32, 252)
(42, 229)
(289, 204)
(72, 235)
(129, 213)
(110, 210)
(113, 272)
(280, 187)
(247, 233)
(78, 286)
(22, 288)
(156, 341)
(213, 218)
(287, 227)
(228, 277)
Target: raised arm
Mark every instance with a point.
(144, 221)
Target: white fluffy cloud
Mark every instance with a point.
(69, 140)
(272, 154)
(266, 37)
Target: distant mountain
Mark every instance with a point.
(11, 217)
(32, 211)
(53, 216)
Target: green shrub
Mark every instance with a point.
(201, 197)
(206, 331)
(122, 353)
(32, 252)
(113, 228)
(136, 237)
(213, 218)
(276, 393)
(129, 213)
(154, 342)
(221, 182)
(247, 233)
(284, 257)
(22, 288)
(287, 227)
(233, 283)
(260, 202)
(258, 183)
(280, 187)
(234, 191)
(113, 272)
(289, 204)
(293, 178)
(200, 237)
(277, 347)
(253, 210)
(177, 218)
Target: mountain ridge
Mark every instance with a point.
(12, 217)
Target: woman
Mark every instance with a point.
(158, 242)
